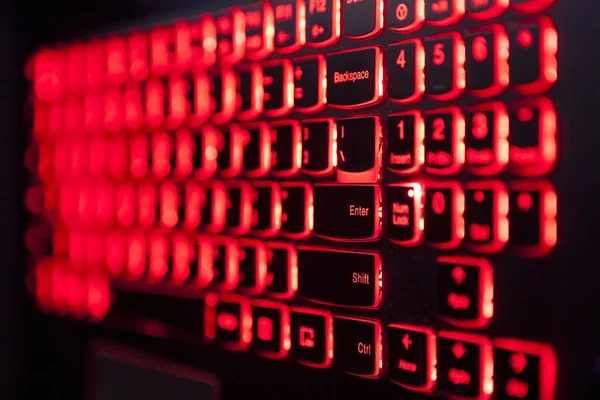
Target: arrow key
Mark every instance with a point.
(411, 356)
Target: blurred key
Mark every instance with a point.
(282, 270)
(278, 83)
(286, 148)
(266, 209)
(238, 217)
(296, 210)
(259, 30)
(318, 146)
(251, 92)
(322, 23)
(253, 266)
(290, 17)
(224, 96)
(230, 159)
(231, 36)
(257, 149)
(309, 83)
(226, 253)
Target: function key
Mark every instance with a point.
(253, 267)
(278, 83)
(259, 30)
(226, 263)
(282, 270)
(257, 149)
(405, 211)
(524, 370)
(231, 36)
(309, 83)
(532, 137)
(465, 365)
(270, 329)
(318, 146)
(362, 18)
(406, 15)
(532, 215)
(224, 101)
(486, 139)
(266, 209)
(412, 356)
(290, 19)
(312, 337)
(405, 150)
(347, 213)
(530, 6)
(234, 322)
(487, 61)
(251, 92)
(322, 22)
(444, 208)
(230, 145)
(444, 12)
(486, 210)
(406, 76)
(486, 9)
(358, 346)
(444, 141)
(286, 148)
(212, 208)
(533, 48)
(238, 217)
(296, 210)
(465, 291)
(445, 66)
(356, 277)
(355, 77)
(359, 149)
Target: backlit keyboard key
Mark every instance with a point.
(405, 213)
(444, 141)
(486, 9)
(238, 217)
(226, 263)
(196, 89)
(524, 370)
(359, 149)
(195, 42)
(358, 346)
(532, 137)
(278, 83)
(212, 209)
(412, 356)
(193, 196)
(406, 77)
(253, 266)
(444, 12)
(347, 213)
(486, 210)
(530, 6)
(322, 22)
(533, 48)
(230, 159)
(355, 78)
(465, 291)
(162, 46)
(147, 205)
(137, 255)
(155, 100)
(309, 83)
(137, 48)
(282, 270)
(444, 208)
(251, 92)
(297, 210)
(257, 149)
(405, 150)
(270, 329)
(312, 337)
(224, 96)
(266, 209)
(318, 146)
(205, 153)
(487, 61)
(171, 203)
(354, 275)
(286, 148)
(405, 15)
(290, 19)
(444, 66)
(116, 60)
(362, 19)
(233, 322)
(486, 139)
(465, 365)
(532, 216)
(158, 257)
(231, 36)
(162, 148)
(259, 30)
(201, 272)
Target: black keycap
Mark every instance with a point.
(238, 217)
(253, 266)
(259, 35)
(487, 61)
(354, 275)
(465, 291)
(486, 139)
(257, 149)
(405, 15)
(250, 89)
(354, 78)
(309, 91)
(317, 147)
(266, 209)
(523, 370)
(278, 83)
(231, 36)
(312, 336)
(230, 159)
(286, 148)
(359, 149)
(270, 329)
(406, 78)
(357, 346)
(296, 210)
(486, 9)
(444, 141)
(362, 18)
(224, 96)
(486, 208)
(322, 22)
(234, 322)
(464, 365)
(405, 213)
(444, 12)
(405, 151)
(287, 26)
(201, 265)
(444, 66)
(282, 270)
(411, 358)
(205, 152)
(226, 263)
(444, 224)
(347, 213)
(213, 208)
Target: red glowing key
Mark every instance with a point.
(49, 75)
(116, 252)
(136, 254)
(75, 76)
(163, 149)
(134, 106)
(138, 61)
(95, 65)
(161, 55)
(155, 93)
(231, 36)
(116, 60)
(113, 110)
(169, 205)
(93, 113)
(259, 30)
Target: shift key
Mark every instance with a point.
(347, 213)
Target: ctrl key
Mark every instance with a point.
(358, 346)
